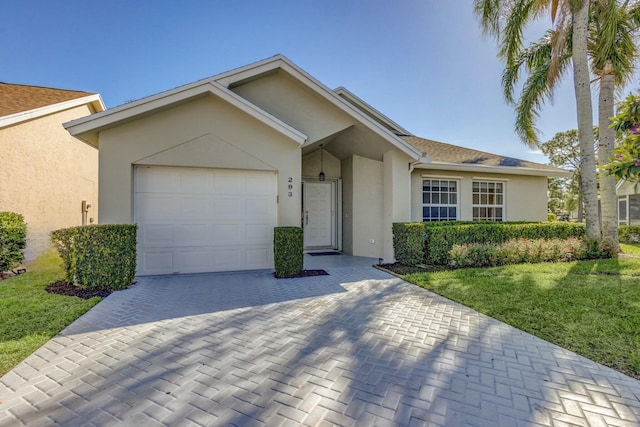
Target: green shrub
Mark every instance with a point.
(518, 251)
(288, 254)
(408, 242)
(98, 257)
(551, 217)
(13, 239)
(439, 239)
(629, 233)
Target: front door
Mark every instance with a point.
(319, 221)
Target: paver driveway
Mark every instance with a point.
(357, 347)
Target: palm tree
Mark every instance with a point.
(612, 52)
(506, 20)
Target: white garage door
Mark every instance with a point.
(194, 220)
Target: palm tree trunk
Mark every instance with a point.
(581, 84)
(606, 144)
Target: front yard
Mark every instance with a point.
(590, 307)
(29, 315)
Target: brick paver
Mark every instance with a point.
(357, 347)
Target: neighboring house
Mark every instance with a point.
(628, 202)
(208, 169)
(45, 173)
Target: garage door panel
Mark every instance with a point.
(156, 234)
(192, 234)
(199, 220)
(228, 234)
(158, 180)
(156, 262)
(258, 256)
(228, 208)
(257, 233)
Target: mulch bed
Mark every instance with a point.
(402, 269)
(305, 273)
(61, 287)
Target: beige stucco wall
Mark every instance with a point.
(204, 132)
(330, 165)
(45, 175)
(525, 196)
(296, 104)
(362, 209)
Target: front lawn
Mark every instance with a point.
(29, 315)
(590, 307)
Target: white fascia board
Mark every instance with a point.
(280, 61)
(359, 103)
(95, 100)
(86, 128)
(509, 170)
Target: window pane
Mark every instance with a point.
(499, 200)
(476, 199)
(484, 198)
(622, 210)
(434, 212)
(453, 199)
(425, 198)
(476, 186)
(476, 213)
(499, 187)
(444, 212)
(491, 200)
(499, 214)
(425, 213)
(452, 213)
(483, 187)
(435, 198)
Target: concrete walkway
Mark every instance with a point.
(357, 347)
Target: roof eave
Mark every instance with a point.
(280, 61)
(507, 170)
(88, 128)
(94, 100)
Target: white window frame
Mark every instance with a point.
(488, 205)
(624, 199)
(441, 205)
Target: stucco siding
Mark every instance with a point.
(525, 196)
(45, 175)
(294, 103)
(330, 165)
(205, 132)
(367, 207)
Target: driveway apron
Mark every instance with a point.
(356, 347)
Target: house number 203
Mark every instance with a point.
(290, 186)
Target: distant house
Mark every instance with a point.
(628, 202)
(207, 170)
(45, 173)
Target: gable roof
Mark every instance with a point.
(17, 98)
(453, 157)
(24, 102)
(87, 128)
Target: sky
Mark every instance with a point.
(423, 63)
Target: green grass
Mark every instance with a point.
(590, 307)
(29, 315)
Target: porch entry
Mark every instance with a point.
(320, 215)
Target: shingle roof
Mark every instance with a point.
(447, 153)
(16, 98)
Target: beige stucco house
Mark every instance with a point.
(45, 173)
(628, 202)
(208, 169)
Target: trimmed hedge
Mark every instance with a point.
(13, 239)
(98, 257)
(440, 239)
(408, 242)
(629, 233)
(288, 252)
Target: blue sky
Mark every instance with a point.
(423, 63)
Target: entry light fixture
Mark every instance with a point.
(321, 175)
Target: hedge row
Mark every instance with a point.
(98, 257)
(440, 237)
(13, 239)
(288, 251)
(518, 251)
(629, 233)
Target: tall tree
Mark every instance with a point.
(612, 29)
(506, 20)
